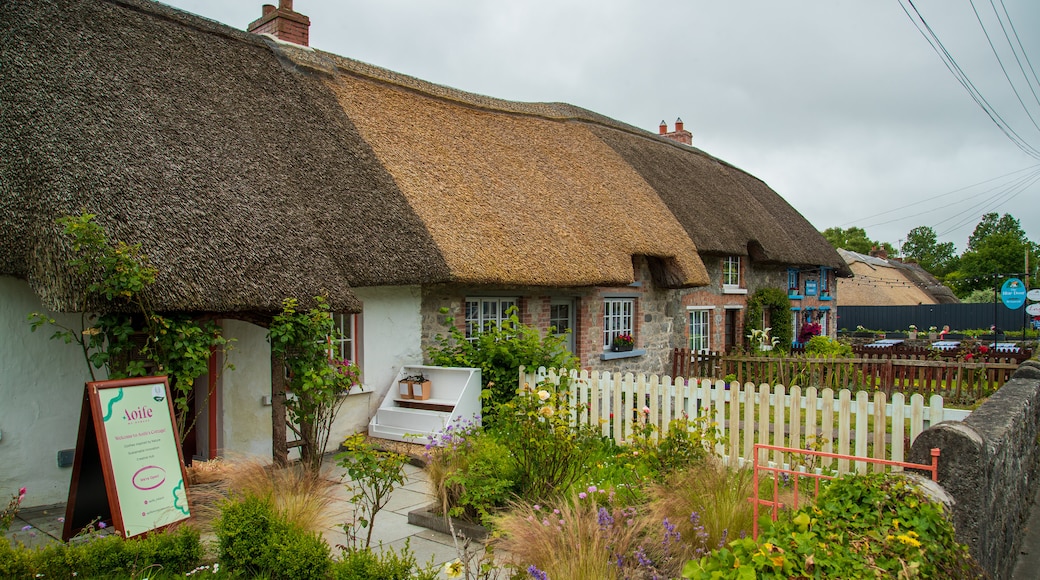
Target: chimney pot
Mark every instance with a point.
(678, 124)
(283, 22)
(663, 128)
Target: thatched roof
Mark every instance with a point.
(250, 170)
(243, 179)
(883, 282)
(725, 210)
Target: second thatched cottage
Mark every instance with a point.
(252, 167)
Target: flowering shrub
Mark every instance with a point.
(869, 526)
(808, 331)
(548, 454)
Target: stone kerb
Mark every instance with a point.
(989, 465)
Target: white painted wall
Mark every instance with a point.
(41, 393)
(390, 332)
(391, 337)
(41, 385)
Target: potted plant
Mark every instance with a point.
(623, 342)
(913, 332)
(414, 387)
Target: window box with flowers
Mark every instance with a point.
(623, 343)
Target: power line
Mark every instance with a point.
(951, 64)
(1014, 89)
(941, 195)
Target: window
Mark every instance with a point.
(792, 281)
(796, 324)
(342, 342)
(824, 321)
(699, 330)
(825, 288)
(561, 317)
(617, 318)
(731, 271)
(482, 312)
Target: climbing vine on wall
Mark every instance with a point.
(775, 302)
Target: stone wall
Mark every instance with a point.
(989, 465)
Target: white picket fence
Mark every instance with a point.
(843, 422)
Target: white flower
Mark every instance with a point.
(546, 411)
(543, 394)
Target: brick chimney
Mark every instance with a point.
(878, 252)
(680, 135)
(283, 22)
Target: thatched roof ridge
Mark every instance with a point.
(243, 179)
(725, 210)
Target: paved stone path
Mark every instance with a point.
(43, 525)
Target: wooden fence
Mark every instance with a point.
(956, 380)
(835, 422)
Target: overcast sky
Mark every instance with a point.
(841, 106)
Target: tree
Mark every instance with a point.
(922, 245)
(998, 247)
(855, 240)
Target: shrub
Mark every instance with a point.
(386, 565)
(293, 553)
(877, 525)
(549, 455)
(243, 531)
(469, 471)
(176, 551)
(499, 352)
(822, 346)
(253, 540)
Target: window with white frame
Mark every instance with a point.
(617, 318)
(343, 341)
(700, 327)
(824, 320)
(482, 313)
(796, 324)
(731, 271)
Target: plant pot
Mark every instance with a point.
(618, 348)
(912, 335)
(419, 390)
(404, 390)
(933, 336)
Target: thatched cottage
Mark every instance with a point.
(251, 167)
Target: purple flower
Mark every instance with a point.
(536, 573)
(26, 528)
(102, 525)
(582, 495)
(605, 519)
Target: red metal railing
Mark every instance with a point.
(777, 471)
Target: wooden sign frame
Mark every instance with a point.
(128, 459)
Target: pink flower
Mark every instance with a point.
(582, 495)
